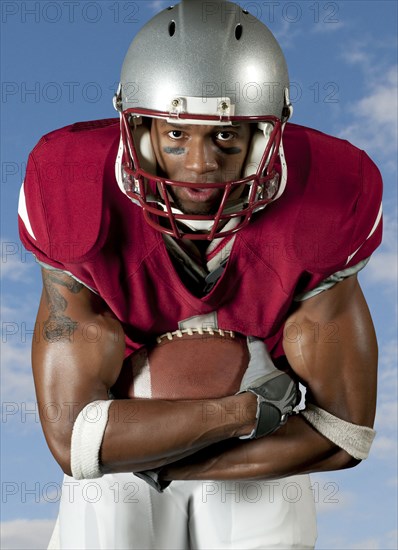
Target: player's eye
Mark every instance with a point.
(175, 134)
(225, 136)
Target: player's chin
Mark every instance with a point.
(199, 210)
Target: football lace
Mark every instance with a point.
(191, 331)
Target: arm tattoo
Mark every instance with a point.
(58, 326)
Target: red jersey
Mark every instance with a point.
(76, 219)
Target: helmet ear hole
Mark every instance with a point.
(172, 28)
(238, 31)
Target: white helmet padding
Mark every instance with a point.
(145, 152)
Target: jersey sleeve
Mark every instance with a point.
(32, 220)
(360, 232)
(61, 215)
(367, 222)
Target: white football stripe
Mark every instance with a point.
(142, 378)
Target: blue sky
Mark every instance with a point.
(60, 63)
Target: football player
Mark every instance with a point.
(201, 208)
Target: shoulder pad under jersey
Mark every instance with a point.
(61, 211)
(332, 201)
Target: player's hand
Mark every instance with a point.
(277, 393)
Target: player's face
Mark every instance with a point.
(200, 154)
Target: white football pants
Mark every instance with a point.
(120, 511)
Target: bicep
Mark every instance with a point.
(334, 352)
(77, 355)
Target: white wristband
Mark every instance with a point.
(87, 435)
(354, 439)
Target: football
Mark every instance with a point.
(191, 364)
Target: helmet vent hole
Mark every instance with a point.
(170, 7)
(238, 31)
(245, 12)
(172, 28)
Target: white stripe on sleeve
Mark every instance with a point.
(378, 218)
(23, 212)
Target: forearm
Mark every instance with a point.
(340, 377)
(143, 433)
(295, 448)
(72, 371)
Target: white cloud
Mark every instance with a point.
(384, 447)
(392, 539)
(388, 362)
(365, 544)
(386, 417)
(388, 385)
(16, 270)
(16, 378)
(17, 387)
(19, 405)
(393, 482)
(158, 5)
(387, 408)
(33, 534)
(16, 263)
(18, 319)
(333, 499)
(382, 267)
(287, 34)
(329, 495)
(374, 116)
(328, 27)
(355, 56)
(388, 365)
(374, 126)
(388, 541)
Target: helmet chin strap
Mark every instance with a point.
(205, 225)
(194, 225)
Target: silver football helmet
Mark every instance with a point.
(203, 63)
